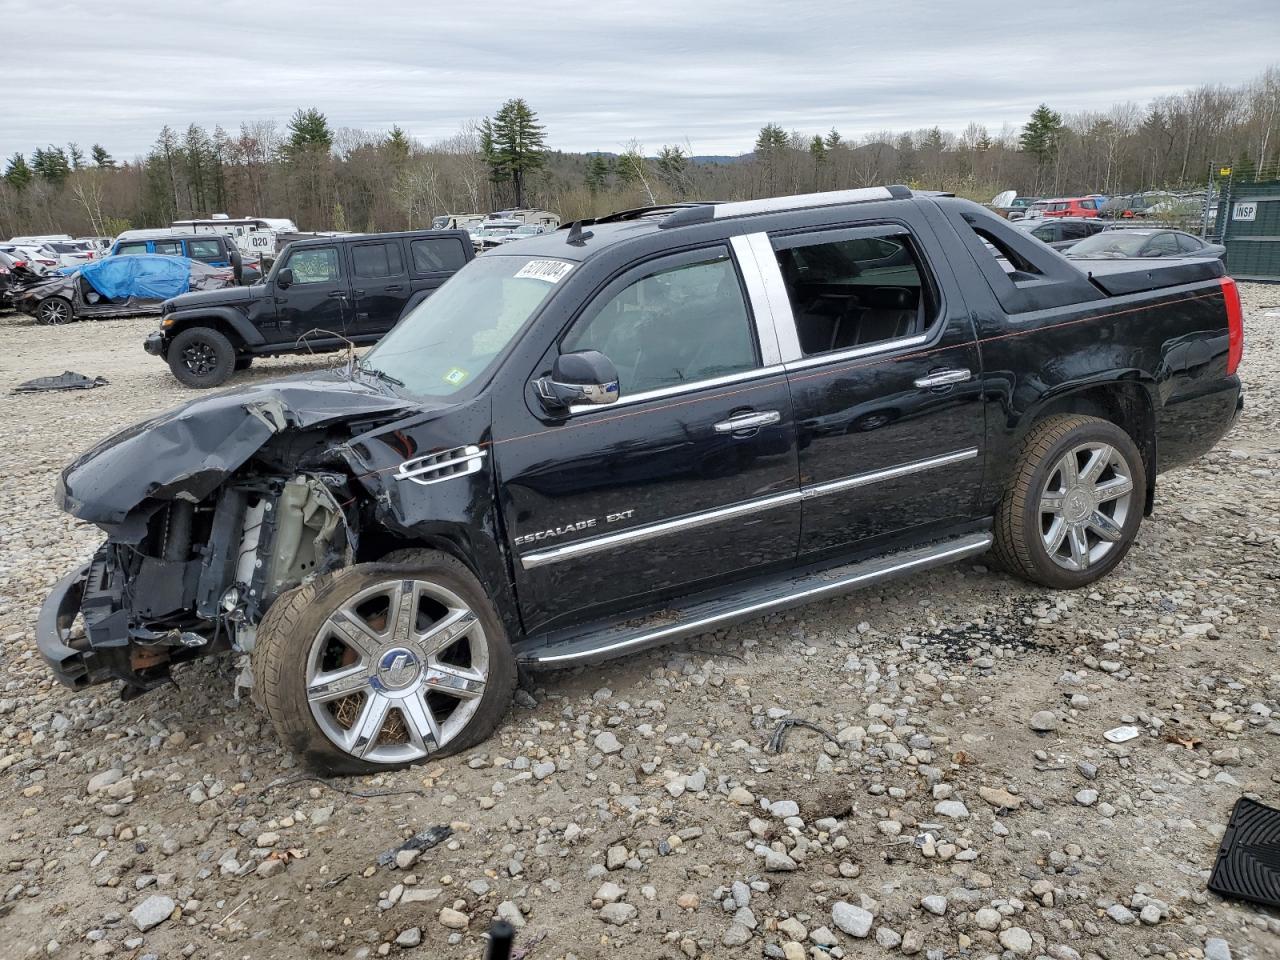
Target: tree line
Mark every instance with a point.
(328, 178)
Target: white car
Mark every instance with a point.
(40, 258)
(73, 253)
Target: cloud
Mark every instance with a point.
(601, 74)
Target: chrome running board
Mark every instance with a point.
(606, 640)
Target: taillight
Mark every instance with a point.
(19, 263)
(1235, 324)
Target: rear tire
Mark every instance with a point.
(1074, 502)
(202, 357)
(359, 674)
(54, 311)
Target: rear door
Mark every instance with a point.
(690, 477)
(380, 286)
(884, 372)
(316, 303)
(208, 250)
(433, 260)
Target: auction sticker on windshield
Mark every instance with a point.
(552, 271)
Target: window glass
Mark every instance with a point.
(675, 325)
(853, 292)
(1162, 243)
(450, 339)
(374, 260)
(437, 256)
(169, 248)
(204, 250)
(1188, 244)
(1044, 233)
(316, 265)
(131, 249)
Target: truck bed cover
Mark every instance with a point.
(1117, 277)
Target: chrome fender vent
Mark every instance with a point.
(444, 465)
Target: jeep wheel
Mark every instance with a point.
(382, 665)
(201, 357)
(1073, 506)
(53, 311)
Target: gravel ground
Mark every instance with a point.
(966, 803)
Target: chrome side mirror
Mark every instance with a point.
(587, 377)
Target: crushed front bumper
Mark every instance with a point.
(71, 666)
(154, 344)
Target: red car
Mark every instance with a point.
(1072, 207)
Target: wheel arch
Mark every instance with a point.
(1127, 403)
(235, 326)
(485, 562)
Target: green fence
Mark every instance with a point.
(1248, 224)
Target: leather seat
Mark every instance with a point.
(888, 313)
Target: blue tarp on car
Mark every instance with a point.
(142, 277)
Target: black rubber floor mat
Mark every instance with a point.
(1248, 866)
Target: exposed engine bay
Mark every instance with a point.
(211, 513)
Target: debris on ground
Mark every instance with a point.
(69, 380)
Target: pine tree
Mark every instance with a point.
(101, 158)
(597, 172)
(818, 149)
(673, 169)
(75, 155)
(771, 137)
(17, 174)
(398, 146)
(833, 140)
(513, 145)
(339, 217)
(50, 165)
(308, 130)
(1041, 135)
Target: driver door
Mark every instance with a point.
(316, 304)
(688, 478)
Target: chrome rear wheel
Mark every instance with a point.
(1084, 505)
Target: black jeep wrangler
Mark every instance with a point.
(320, 295)
(634, 430)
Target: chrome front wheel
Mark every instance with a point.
(1084, 505)
(397, 671)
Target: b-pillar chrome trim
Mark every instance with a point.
(608, 541)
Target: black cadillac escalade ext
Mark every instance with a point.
(637, 429)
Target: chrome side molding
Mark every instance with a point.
(590, 545)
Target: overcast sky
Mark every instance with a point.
(603, 72)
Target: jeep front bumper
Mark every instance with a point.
(154, 344)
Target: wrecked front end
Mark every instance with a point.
(211, 512)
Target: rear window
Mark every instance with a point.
(169, 248)
(204, 250)
(131, 249)
(437, 256)
(376, 260)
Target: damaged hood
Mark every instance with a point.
(213, 298)
(188, 452)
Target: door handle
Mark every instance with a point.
(358, 293)
(394, 288)
(338, 294)
(942, 378)
(748, 421)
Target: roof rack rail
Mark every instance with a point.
(637, 213)
(706, 212)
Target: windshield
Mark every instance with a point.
(1110, 243)
(450, 339)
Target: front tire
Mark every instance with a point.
(54, 311)
(202, 357)
(382, 665)
(1074, 503)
